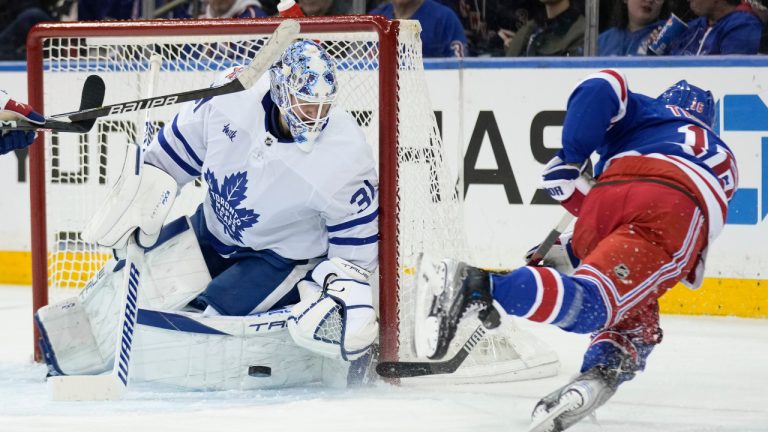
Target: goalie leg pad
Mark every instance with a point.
(193, 351)
(67, 341)
(81, 332)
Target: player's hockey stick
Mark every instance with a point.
(112, 385)
(414, 369)
(550, 240)
(92, 97)
(283, 36)
(421, 368)
(555, 234)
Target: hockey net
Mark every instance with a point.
(382, 84)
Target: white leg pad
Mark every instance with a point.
(193, 351)
(175, 274)
(67, 328)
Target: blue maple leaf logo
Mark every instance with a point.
(225, 202)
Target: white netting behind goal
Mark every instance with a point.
(81, 168)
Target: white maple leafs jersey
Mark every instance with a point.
(265, 192)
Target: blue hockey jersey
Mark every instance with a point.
(605, 117)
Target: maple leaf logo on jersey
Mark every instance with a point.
(225, 202)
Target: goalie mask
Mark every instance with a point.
(696, 101)
(303, 85)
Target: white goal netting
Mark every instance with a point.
(79, 169)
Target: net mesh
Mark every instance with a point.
(81, 168)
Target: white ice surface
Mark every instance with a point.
(709, 375)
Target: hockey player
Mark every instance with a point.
(289, 223)
(15, 140)
(664, 182)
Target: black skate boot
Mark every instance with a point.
(569, 404)
(459, 289)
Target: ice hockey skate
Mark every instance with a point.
(459, 290)
(569, 404)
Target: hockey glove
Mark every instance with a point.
(560, 257)
(565, 183)
(14, 140)
(12, 110)
(336, 319)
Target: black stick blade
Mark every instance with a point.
(93, 97)
(260, 371)
(414, 369)
(403, 369)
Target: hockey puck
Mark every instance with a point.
(260, 371)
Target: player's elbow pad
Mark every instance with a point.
(141, 199)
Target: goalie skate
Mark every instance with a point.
(569, 404)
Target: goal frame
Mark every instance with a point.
(388, 134)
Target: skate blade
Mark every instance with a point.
(546, 422)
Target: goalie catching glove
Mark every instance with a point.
(335, 317)
(566, 183)
(141, 199)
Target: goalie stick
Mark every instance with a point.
(283, 36)
(92, 97)
(113, 385)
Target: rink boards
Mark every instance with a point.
(500, 121)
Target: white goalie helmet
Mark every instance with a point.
(303, 85)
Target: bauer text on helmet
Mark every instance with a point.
(304, 87)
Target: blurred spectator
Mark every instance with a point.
(97, 10)
(441, 32)
(18, 18)
(560, 34)
(633, 22)
(234, 9)
(324, 7)
(761, 11)
(722, 27)
(269, 6)
(489, 23)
